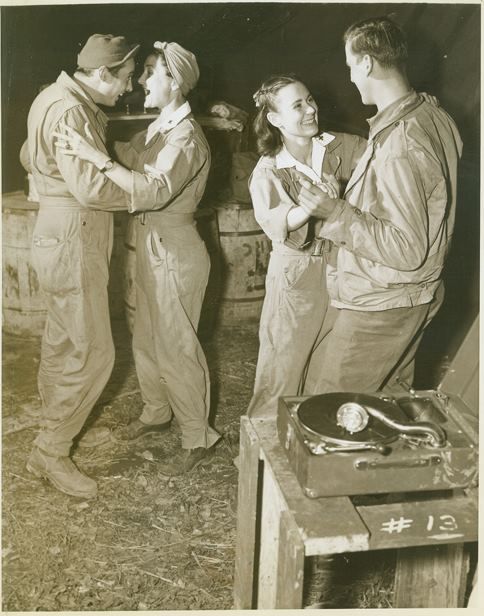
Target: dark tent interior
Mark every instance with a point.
(240, 44)
(108, 556)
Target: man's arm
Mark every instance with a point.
(84, 180)
(395, 232)
(177, 164)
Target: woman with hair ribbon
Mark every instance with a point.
(164, 170)
(292, 148)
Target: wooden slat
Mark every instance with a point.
(328, 525)
(247, 506)
(290, 564)
(272, 506)
(462, 377)
(431, 577)
(452, 520)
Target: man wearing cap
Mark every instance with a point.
(71, 248)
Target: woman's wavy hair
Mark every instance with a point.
(269, 138)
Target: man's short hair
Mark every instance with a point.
(380, 38)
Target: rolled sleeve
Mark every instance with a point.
(176, 165)
(271, 203)
(395, 233)
(84, 180)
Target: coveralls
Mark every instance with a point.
(170, 163)
(71, 249)
(296, 295)
(393, 229)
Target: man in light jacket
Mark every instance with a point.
(393, 226)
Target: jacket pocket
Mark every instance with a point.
(57, 264)
(296, 275)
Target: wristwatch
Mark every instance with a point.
(108, 165)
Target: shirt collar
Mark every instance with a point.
(393, 112)
(165, 122)
(285, 160)
(76, 88)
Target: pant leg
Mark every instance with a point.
(364, 348)
(156, 406)
(293, 312)
(405, 368)
(313, 369)
(77, 359)
(77, 354)
(174, 275)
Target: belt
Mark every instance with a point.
(317, 247)
(175, 219)
(54, 202)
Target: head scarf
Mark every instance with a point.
(181, 63)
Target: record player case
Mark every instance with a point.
(434, 447)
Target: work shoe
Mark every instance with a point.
(95, 437)
(137, 429)
(62, 473)
(186, 460)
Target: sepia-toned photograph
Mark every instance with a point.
(240, 306)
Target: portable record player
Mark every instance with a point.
(351, 443)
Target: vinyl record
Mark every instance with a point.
(318, 416)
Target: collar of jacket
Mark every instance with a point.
(78, 91)
(393, 113)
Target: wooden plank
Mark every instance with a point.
(431, 577)
(462, 377)
(290, 564)
(245, 548)
(442, 521)
(328, 525)
(272, 505)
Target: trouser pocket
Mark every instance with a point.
(57, 264)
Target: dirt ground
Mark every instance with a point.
(148, 542)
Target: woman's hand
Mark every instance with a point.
(329, 184)
(317, 200)
(332, 185)
(72, 143)
(430, 98)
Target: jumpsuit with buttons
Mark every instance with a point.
(296, 294)
(169, 174)
(71, 249)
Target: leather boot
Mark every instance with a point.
(185, 461)
(62, 473)
(137, 429)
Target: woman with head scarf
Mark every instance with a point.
(164, 171)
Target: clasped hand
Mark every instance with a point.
(319, 200)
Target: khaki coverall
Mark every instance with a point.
(172, 267)
(71, 248)
(296, 295)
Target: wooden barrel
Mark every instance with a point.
(245, 251)
(23, 309)
(207, 227)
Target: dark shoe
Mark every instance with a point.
(95, 437)
(137, 429)
(62, 473)
(186, 460)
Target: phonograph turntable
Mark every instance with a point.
(350, 443)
